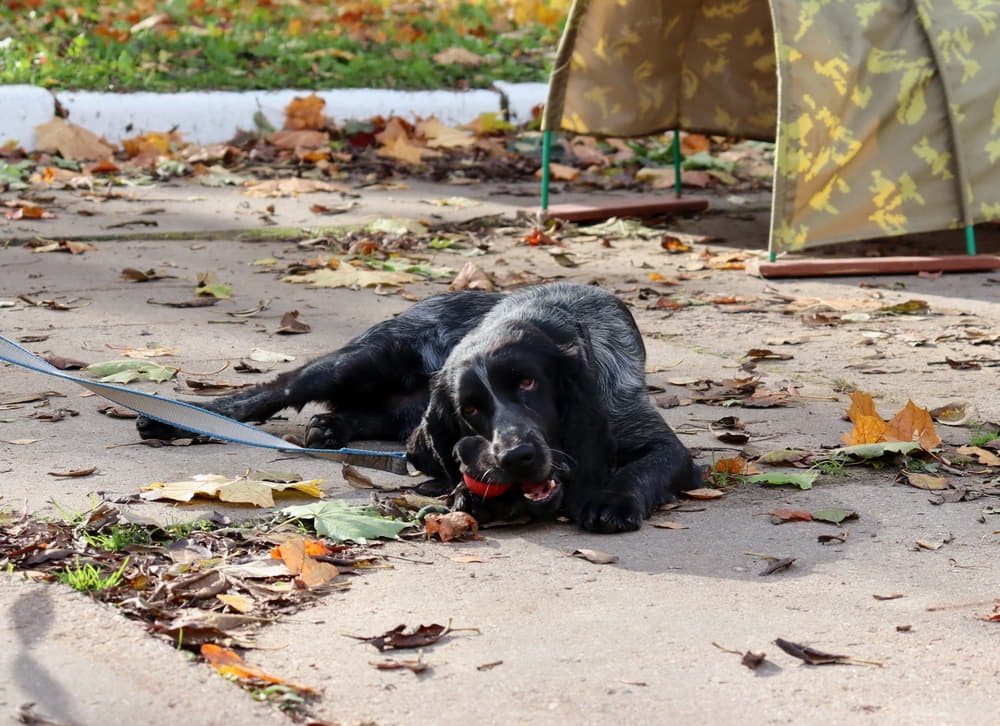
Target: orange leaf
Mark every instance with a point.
(867, 430)
(734, 465)
(913, 424)
(693, 144)
(305, 113)
(297, 554)
(229, 663)
(862, 404)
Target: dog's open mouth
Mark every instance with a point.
(539, 491)
(532, 491)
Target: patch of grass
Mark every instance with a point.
(118, 536)
(87, 577)
(242, 44)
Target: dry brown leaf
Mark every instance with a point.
(296, 555)
(560, 172)
(596, 556)
(693, 144)
(441, 136)
(987, 458)
(291, 325)
(913, 424)
(926, 481)
(471, 277)
(298, 138)
(76, 473)
(451, 526)
(350, 276)
(670, 525)
(402, 149)
(704, 493)
(71, 141)
(291, 187)
(456, 55)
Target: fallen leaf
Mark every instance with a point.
(471, 277)
(986, 458)
(296, 138)
(913, 424)
(71, 141)
(290, 187)
(456, 55)
(669, 525)
(877, 451)
(128, 370)
(451, 526)
(927, 544)
(355, 478)
(76, 473)
(441, 136)
(228, 663)
(310, 571)
(398, 638)
(834, 516)
(305, 112)
(392, 664)
(23, 442)
(803, 480)
(239, 603)
(777, 565)
(817, 657)
(341, 521)
(925, 481)
(595, 556)
(405, 150)
(704, 493)
(955, 413)
(237, 490)
(351, 276)
(291, 325)
(266, 356)
(791, 515)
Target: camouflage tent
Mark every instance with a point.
(886, 113)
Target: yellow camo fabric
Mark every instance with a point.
(888, 117)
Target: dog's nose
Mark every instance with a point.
(517, 458)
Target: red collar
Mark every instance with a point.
(485, 490)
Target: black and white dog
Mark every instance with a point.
(533, 402)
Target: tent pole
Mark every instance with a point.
(675, 148)
(970, 239)
(546, 172)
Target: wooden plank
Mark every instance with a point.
(636, 207)
(874, 266)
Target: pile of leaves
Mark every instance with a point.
(312, 153)
(210, 585)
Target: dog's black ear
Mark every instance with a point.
(584, 428)
(430, 448)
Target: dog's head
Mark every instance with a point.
(509, 409)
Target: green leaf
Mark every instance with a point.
(128, 370)
(704, 160)
(341, 521)
(784, 456)
(834, 516)
(802, 480)
(875, 451)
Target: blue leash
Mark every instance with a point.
(199, 420)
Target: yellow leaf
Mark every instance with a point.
(441, 136)
(402, 149)
(239, 603)
(228, 663)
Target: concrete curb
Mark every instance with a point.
(208, 117)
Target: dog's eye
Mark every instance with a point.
(527, 384)
(469, 410)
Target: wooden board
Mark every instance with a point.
(874, 266)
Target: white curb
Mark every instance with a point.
(208, 117)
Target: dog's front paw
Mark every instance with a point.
(611, 512)
(150, 428)
(327, 431)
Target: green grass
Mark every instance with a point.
(252, 44)
(86, 577)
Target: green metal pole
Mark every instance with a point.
(546, 172)
(676, 149)
(970, 239)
